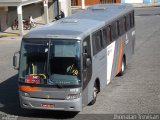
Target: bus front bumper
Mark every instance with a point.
(50, 104)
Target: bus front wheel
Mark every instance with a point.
(95, 91)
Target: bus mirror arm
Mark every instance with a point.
(15, 65)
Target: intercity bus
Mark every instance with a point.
(65, 64)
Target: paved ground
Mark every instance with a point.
(137, 92)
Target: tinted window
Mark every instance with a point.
(87, 46)
(122, 27)
(109, 39)
(33, 57)
(87, 70)
(128, 22)
(132, 19)
(97, 42)
(114, 30)
(104, 37)
(86, 50)
(64, 58)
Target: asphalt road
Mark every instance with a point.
(135, 93)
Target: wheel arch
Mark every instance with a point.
(97, 82)
(124, 56)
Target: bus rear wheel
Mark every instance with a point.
(95, 92)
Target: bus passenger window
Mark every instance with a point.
(122, 26)
(104, 37)
(97, 42)
(108, 35)
(114, 30)
(132, 19)
(128, 22)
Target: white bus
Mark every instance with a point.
(63, 65)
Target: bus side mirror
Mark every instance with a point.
(15, 61)
(87, 60)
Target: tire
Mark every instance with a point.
(29, 27)
(33, 25)
(123, 67)
(14, 27)
(95, 91)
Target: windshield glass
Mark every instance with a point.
(64, 62)
(50, 62)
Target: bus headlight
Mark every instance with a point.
(73, 96)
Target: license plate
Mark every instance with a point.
(45, 105)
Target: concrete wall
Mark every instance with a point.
(3, 18)
(50, 11)
(66, 6)
(34, 10)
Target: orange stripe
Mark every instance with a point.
(29, 88)
(120, 57)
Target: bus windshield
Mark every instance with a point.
(50, 62)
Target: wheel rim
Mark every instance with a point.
(122, 66)
(14, 27)
(95, 93)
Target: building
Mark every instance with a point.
(40, 10)
(65, 6)
(140, 1)
(92, 2)
(22, 9)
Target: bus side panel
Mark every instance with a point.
(111, 50)
(99, 65)
(129, 45)
(116, 57)
(127, 48)
(120, 50)
(85, 96)
(133, 40)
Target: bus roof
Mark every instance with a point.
(80, 24)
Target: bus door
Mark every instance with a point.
(87, 62)
(87, 68)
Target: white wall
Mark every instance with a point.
(133, 1)
(66, 7)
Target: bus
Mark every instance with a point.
(64, 65)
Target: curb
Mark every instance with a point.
(8, 34)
